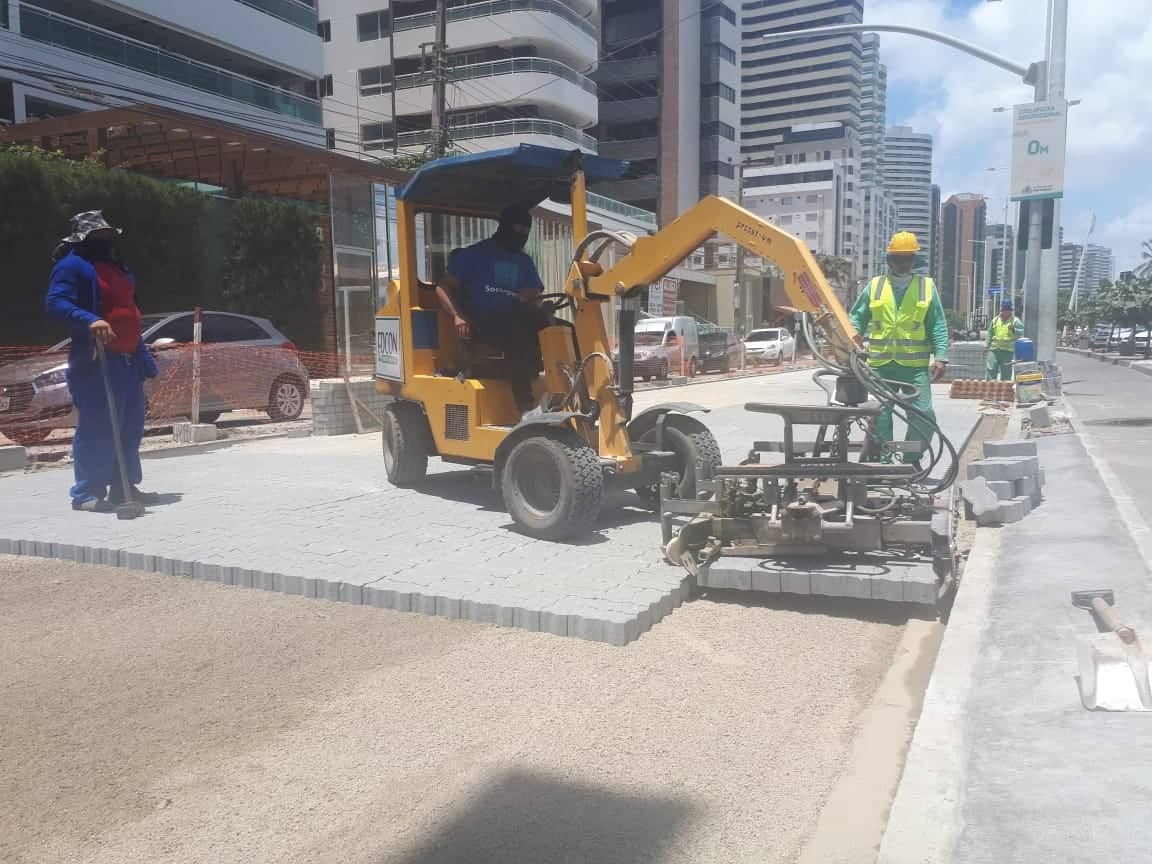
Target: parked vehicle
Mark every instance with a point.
(719, 351)
(666, 346)
(245, 363)
(769, 345)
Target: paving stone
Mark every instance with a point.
(1015, 510)
(1028, 487)
(999, 468)
(886, 586)
(795, 582)
(832, 583)
(8, 547)
(766, 579)
(1009, 448)
(447, 607)
(1040, 417)
(13, 457)
(349, 594)
(733, 572)
(553, 622)
(920, 587)
(1003, 489)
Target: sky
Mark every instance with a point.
(951, 95)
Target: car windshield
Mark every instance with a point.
(649, 338)
(764, 336)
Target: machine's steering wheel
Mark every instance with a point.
(556, 301)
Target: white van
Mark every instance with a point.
(672, 343)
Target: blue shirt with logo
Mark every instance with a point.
(492, 278)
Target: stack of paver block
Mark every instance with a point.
(332, 409)
(989, 391)
(1006, 484)
(13, 457)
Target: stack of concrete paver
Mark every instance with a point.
(1006, 485)
(332, 409)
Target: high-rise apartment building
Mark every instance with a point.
(669, 100)
(789, 82)
(252, 63)
(1000, 255)
(908, 179)
(517, 73)
(960, 271)
(1099, 266)
(878, 214)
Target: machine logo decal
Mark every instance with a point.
(389, 359)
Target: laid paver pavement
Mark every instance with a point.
(315, 517)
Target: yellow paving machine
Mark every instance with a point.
(453, 400)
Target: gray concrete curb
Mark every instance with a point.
(1113, 360)
(591, 621)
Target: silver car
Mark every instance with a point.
(245, 362)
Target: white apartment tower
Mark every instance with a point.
(517, 73)
(252, 63)
(805, 80)
(908, 178)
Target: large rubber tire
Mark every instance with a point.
(286, 398)
(553, 485)
(689, 441)
(405, 444)
(209, 416)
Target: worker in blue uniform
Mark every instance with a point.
(95, 296)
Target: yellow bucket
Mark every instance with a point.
(1028, 387)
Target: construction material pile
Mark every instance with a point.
(989, 391)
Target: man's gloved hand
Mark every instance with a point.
(938, 369)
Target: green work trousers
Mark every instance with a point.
(918, 430)
(999, 365)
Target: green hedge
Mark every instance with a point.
(185, 248)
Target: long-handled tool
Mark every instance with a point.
(1113, 665)
(128, 508)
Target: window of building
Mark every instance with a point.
(787, 158)
(851, 170)
(324, 86)
(324, 28)
(811, 237)
(812, 217)
(827, 155)
(716, 51)
(374, 25)
(786, 219)
(374, 136)
(717, 127)
(848, 219)
(803, 157)
(376, 80)
(850, 186)
(330, 139)
(786, 201)
(718, 90)
(719, 10)
(812, 199)
(724, 169)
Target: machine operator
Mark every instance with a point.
(907, 332)
(489, 290)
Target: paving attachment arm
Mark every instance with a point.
(815, 507)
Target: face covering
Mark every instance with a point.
(97, 249)
(506, 236)
(900, 266)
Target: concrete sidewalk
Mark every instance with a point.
(1006, 765)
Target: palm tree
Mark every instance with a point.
(1144, 270)
(838, 272)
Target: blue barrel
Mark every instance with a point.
(1025, 350)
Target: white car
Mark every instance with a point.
(769, 345)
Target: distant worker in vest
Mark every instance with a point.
(907, 332)
(1003, 332)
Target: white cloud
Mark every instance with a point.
(1110, 132)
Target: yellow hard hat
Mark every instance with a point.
(903, 243)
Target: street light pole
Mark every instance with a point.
(1047, 80)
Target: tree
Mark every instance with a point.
(1144, 270)
(1127, 305)
(838, 272)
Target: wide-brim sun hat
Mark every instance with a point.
(90, 222)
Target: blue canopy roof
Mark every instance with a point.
(483, 184)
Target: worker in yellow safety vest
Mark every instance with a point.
(907, 333)
(1003, 332)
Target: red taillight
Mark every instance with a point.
(289, 344)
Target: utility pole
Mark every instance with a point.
(439, 144)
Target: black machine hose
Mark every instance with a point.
(902, 406)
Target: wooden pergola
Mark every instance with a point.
(171, 145)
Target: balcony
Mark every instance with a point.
(292, 11)
(611, 205)
(49, 28)
(505, 128)
(551, 25)
(630, 110)
(570, 96)
(633, 149)
(632, 69)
